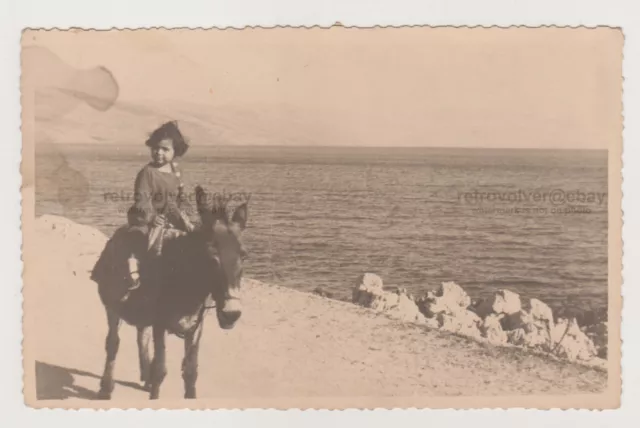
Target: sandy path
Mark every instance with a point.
(288, 344)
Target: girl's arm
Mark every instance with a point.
(185, 209)
(142, 212)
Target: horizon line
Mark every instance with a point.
(329, 146)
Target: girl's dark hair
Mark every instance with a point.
(169, 131)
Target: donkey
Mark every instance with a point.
(175, 288)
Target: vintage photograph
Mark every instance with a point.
(322, 217)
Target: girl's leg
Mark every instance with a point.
(137, 246)
(134, 272)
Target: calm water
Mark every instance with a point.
(322, 216)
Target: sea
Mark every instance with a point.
(531, 221)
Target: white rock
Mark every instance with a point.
(406, 309)
(516, 337)
(537, 338)
(431, 323)
(523, 330)
(502, 302)
(377, 300)
(368, 292)
(397, 305)
(520, 319)
(541, 312)
(571, 343)
(491, 329)
(571, 328)
(465, 323)
(450, 299)
(371, 281)
(433, 305)
(384, 301)
(454, 293)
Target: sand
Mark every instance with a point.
(287, 344)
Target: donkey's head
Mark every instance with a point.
(224, 250)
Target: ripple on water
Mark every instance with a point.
(321, 217)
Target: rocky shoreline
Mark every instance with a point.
(501, 320)
(293, 343)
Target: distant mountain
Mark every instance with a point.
(131, 123)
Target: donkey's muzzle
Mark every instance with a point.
(229, 313)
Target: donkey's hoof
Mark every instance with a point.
(190, 393)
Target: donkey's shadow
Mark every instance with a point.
(58, 383)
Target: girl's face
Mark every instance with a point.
(163, 153)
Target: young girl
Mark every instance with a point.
(158, 198)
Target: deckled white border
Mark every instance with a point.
(268, 13)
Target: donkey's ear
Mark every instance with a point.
(240, 216)
(201, 200)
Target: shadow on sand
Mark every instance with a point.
(58, 383)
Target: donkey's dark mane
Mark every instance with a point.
(185, 246)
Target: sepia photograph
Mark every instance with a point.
(322, 217)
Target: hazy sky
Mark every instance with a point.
(378, 87)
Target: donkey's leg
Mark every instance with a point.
(190, 361)
(112, 344)
(158, 367)
(144, 337)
